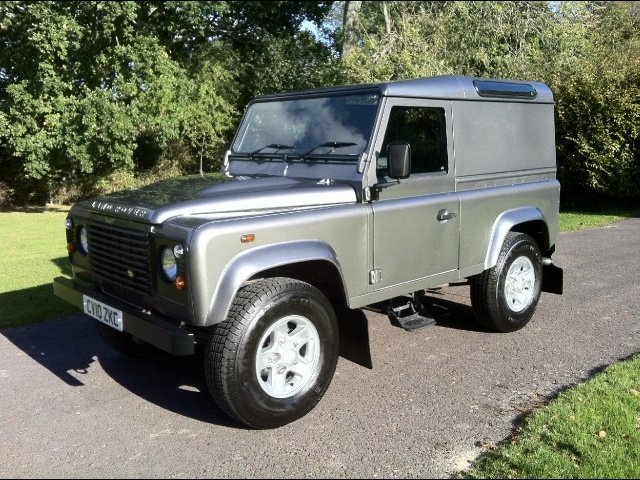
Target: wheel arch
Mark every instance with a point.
(311, 261)
(528, 220)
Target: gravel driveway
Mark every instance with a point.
(70, 407)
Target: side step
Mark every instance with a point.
(410, 315)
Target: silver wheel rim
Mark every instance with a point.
(519, 284)
(287, 356)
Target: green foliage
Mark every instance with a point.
(95, 95)
(595, 75)
(412, 39)
(90, 91)
(295, 63)
(588, 52)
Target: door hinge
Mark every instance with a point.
(375, 276)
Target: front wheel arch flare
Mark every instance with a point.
(253, 263)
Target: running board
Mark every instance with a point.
(411, 315)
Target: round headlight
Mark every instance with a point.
(169, 265)
(84, 243)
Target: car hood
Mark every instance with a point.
(236, 196)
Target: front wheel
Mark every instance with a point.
(505, 297)
(271, 361)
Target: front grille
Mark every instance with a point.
(120, 259)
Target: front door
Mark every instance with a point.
(416, 228)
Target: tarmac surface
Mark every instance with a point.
(435, 399)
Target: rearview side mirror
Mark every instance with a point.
(399, 160)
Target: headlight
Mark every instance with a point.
(84, 243)
(169, 264)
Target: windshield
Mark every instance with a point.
(337, 125)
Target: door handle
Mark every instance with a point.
(444, 215)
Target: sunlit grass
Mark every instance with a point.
(571, 220)
(34, 252)
(589, 431)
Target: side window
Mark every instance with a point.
(422, 128)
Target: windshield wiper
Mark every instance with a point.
(277, 146)
(333, 146)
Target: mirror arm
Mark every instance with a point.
(378, 187)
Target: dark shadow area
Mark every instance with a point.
(173, 383)
(30, 305)
(62, 347)
(445, 313)
(63, 264)
(35, 209)
(450, 314)
(70, 347)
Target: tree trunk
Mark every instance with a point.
(350, 20)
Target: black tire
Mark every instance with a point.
(295, 327)
(124, 342)
(505, 297)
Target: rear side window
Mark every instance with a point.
(424, 129)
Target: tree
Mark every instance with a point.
(349, 26)
(594, 70)
(588, 52)
(103, 95)
(411, 39)
(97, 94)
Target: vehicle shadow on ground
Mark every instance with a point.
(451, 313)
(442, 309)
(70, 349)
(173, 383)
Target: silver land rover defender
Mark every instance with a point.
(333, 199)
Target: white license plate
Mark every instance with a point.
(102, 312)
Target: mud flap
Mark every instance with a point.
(552, 278)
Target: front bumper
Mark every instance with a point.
(149, 328)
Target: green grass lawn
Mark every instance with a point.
(589, 431)
(34, 245)
(571, 220)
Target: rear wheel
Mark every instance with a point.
(505, 297)
(271, 361)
